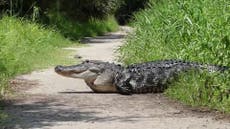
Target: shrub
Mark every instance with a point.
(188, 30)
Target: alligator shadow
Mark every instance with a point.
(46, 113)
(76, 92)
(83, 92)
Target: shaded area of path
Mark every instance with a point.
(55, 102)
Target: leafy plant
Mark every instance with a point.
(189, 30)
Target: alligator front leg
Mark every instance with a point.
(122, 84)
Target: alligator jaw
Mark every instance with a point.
(75, 71)
(98, 75)
(97, 82)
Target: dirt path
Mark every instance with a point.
(55, 102)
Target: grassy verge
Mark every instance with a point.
(26, 46)
(202, 89)
(189, 30)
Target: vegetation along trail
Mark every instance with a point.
(55, 102)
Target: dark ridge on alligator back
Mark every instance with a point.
(168, 63)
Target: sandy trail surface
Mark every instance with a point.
(56, 102)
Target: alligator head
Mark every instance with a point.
(98, 75)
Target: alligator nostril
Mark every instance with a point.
(58, 68)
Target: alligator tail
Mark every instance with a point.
(210, 68)
(215, 68)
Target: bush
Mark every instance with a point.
(77, 10)
(76, 30)
(26, 46)
(86, 9)
(74, 19)
(188, 30)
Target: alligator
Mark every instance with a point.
(148, 77)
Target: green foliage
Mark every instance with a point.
(79, 10)
(83, 10)
(203, 89)
(17, 7)
(76, 10)
(26, 46)
(76, 30)
(188, 30)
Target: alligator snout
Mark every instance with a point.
(58, 68)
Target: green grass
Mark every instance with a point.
(192, 30)
(189, 30)
(75, 30)
(202, 89)
(26, 46)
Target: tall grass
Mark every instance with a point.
(202, 89)
(193, 30)
(75, 30)
(26, 46)
(189, 30)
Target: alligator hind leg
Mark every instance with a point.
(125, 90)
(124, 87)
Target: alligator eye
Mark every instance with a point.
(87, 61)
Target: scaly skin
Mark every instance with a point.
(149, 77)
(98, 75)
(153, 77)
